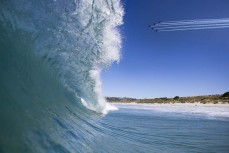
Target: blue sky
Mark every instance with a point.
(168, 64)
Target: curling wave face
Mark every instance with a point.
(51, 55)
(76, 38)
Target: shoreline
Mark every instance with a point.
(196, 104)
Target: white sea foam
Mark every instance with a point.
(77, 39)
(108, 48)
(210, 111)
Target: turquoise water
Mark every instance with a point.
(51, 56)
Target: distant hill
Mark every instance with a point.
(224, 98)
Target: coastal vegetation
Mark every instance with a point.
(215, 99)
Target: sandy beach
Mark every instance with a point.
(197, 104)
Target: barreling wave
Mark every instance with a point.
(51, 55)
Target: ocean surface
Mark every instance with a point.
(166, 129)
(51, 56)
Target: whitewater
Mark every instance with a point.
(75, 39)
(51, 56)
(52, 53)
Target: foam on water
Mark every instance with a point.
(210, 112)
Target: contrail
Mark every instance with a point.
(190, 24)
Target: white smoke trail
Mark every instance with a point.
(196, 21)
(194, 28)
(190, 25)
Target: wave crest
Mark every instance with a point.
(77, 39)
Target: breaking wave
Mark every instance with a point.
(51, 56)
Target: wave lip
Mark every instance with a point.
(51, 56)
(76, 38)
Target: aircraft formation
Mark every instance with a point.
(190, 25)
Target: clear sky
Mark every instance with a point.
(168, 64)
